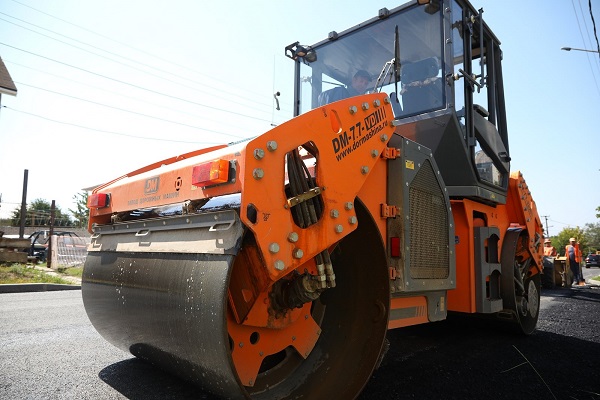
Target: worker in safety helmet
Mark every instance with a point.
(549, 250)
(573, 259)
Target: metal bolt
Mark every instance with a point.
(353, 110)
(258, 173)
(274, 248)
(271, 145)
(377, 103)
(386, 100)
(395, 122)
(334, 213)
(293, 237)
(339, 229)
(298, 253)
(241, 344)
(348, 206)
(364, 170)
(352, 220)
(259, 154)
(279, 265)
(365, 106)
(374, 153)
(384, 137)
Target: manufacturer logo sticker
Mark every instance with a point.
(151, 185)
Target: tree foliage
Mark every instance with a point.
(592, 233)
(80, 214)
(588, 238)
(561, 240)
(39, 214)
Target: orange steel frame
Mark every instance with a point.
(340, 182)
(518, 212)
(260, 178)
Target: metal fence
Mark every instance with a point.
(71, 251)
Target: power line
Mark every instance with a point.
(105, 131)
(120, 94)
(583, 39)
(246, 104)
(128, 111)
(587, 31)
(129, 46)
(562, 223)
(136, 86)
(594, 24)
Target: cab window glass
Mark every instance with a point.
(343, 65)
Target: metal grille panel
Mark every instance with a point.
(429, 227)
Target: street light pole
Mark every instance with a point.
(573, 48)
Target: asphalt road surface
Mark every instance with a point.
(49, 350)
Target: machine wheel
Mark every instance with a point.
(352, 318)
(548, 278)
(174, 310)
(520, 289)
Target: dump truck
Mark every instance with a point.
(274, 267)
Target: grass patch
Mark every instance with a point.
(21, 273)
(73, 271)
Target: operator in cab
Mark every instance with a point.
(360, 81)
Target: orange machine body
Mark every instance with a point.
(258, 173)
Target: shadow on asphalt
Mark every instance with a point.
(589, 293)
(136, 379)
(467, 358)
(460, 358)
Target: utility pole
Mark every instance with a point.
(52, 242)
(547, 230)
(23, 205)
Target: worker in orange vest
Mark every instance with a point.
(573, 260)
(549, 250)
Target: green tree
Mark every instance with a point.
(39, 214)
(562, 239)
(80, 214)
(592, 233)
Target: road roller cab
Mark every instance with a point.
(273, 267)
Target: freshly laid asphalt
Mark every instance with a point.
(50, 350)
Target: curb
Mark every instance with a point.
(36, 287)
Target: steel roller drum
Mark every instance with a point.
(163, 306)
(159, 290)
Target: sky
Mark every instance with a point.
(106, 87)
